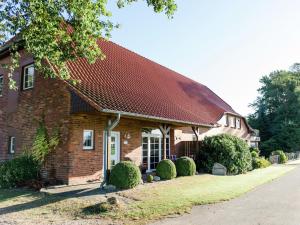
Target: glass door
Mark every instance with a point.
(155, 152)
(152, 145)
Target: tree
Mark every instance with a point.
(58, 31)
(277, 111)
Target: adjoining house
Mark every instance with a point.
(126, 105)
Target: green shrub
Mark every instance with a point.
(166, 169)
(185, 166)
(260, 162)
(228, 150)
(17, 171)
(254, 155)
(149, 178)
(282, 156)
(254, 149)
(125, 175)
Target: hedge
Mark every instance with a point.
(228, 150)
(19, 170)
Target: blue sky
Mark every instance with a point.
(227, 45)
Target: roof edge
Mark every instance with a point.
(97, 107)
(156, 118)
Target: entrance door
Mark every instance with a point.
(115, 148)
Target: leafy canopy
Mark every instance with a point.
(277, 111)
(58, 31)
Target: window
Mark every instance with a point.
(1, 85)
(238, 123)
(88, 139)
(152, 144)
(28, 77)
(232, 121)
(12, 145)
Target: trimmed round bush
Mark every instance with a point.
(149, 178)
(228, 150)
(185, 166)
(166, 169)
(18, 171)
(282, 156)
(125, 175)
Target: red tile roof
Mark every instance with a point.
(131, 84)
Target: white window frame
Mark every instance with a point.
(92, 141)
(232, 122)
(1, 84)
(12, 145)
(238, 125)
(155, 135)
(24, 74)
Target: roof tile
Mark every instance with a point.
(128, 82)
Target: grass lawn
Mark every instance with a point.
(179, 195)
(144, 203)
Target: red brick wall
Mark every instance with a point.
(20, 112)
(87, 165)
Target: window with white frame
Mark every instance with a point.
(238, 123)
(12, 145)
(88, 139)
(28, 77)
(232, 121)
(1, 84)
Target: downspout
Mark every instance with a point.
(107, 147)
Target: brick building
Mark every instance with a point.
(127, 106)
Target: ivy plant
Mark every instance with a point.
(43, 143)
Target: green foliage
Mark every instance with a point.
(253, 149)
(228, 150)
(43, 144)
(185, 166)
(18, 170)
(282, 156)
(149, 178)
(257, 161)
(166, 169)
(260, 162)
(277, 114)
(56, 32)
(98, 208)
(125, 175)
(254, 154)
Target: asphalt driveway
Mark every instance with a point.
(275, 203)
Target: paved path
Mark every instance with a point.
(275, 203)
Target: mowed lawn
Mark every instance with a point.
(138, 206)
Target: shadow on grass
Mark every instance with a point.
(45, 199)
(7, 194)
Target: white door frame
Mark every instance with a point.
(149, 136)
(149, 148)
(118, 145)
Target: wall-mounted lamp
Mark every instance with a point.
(127, 135)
